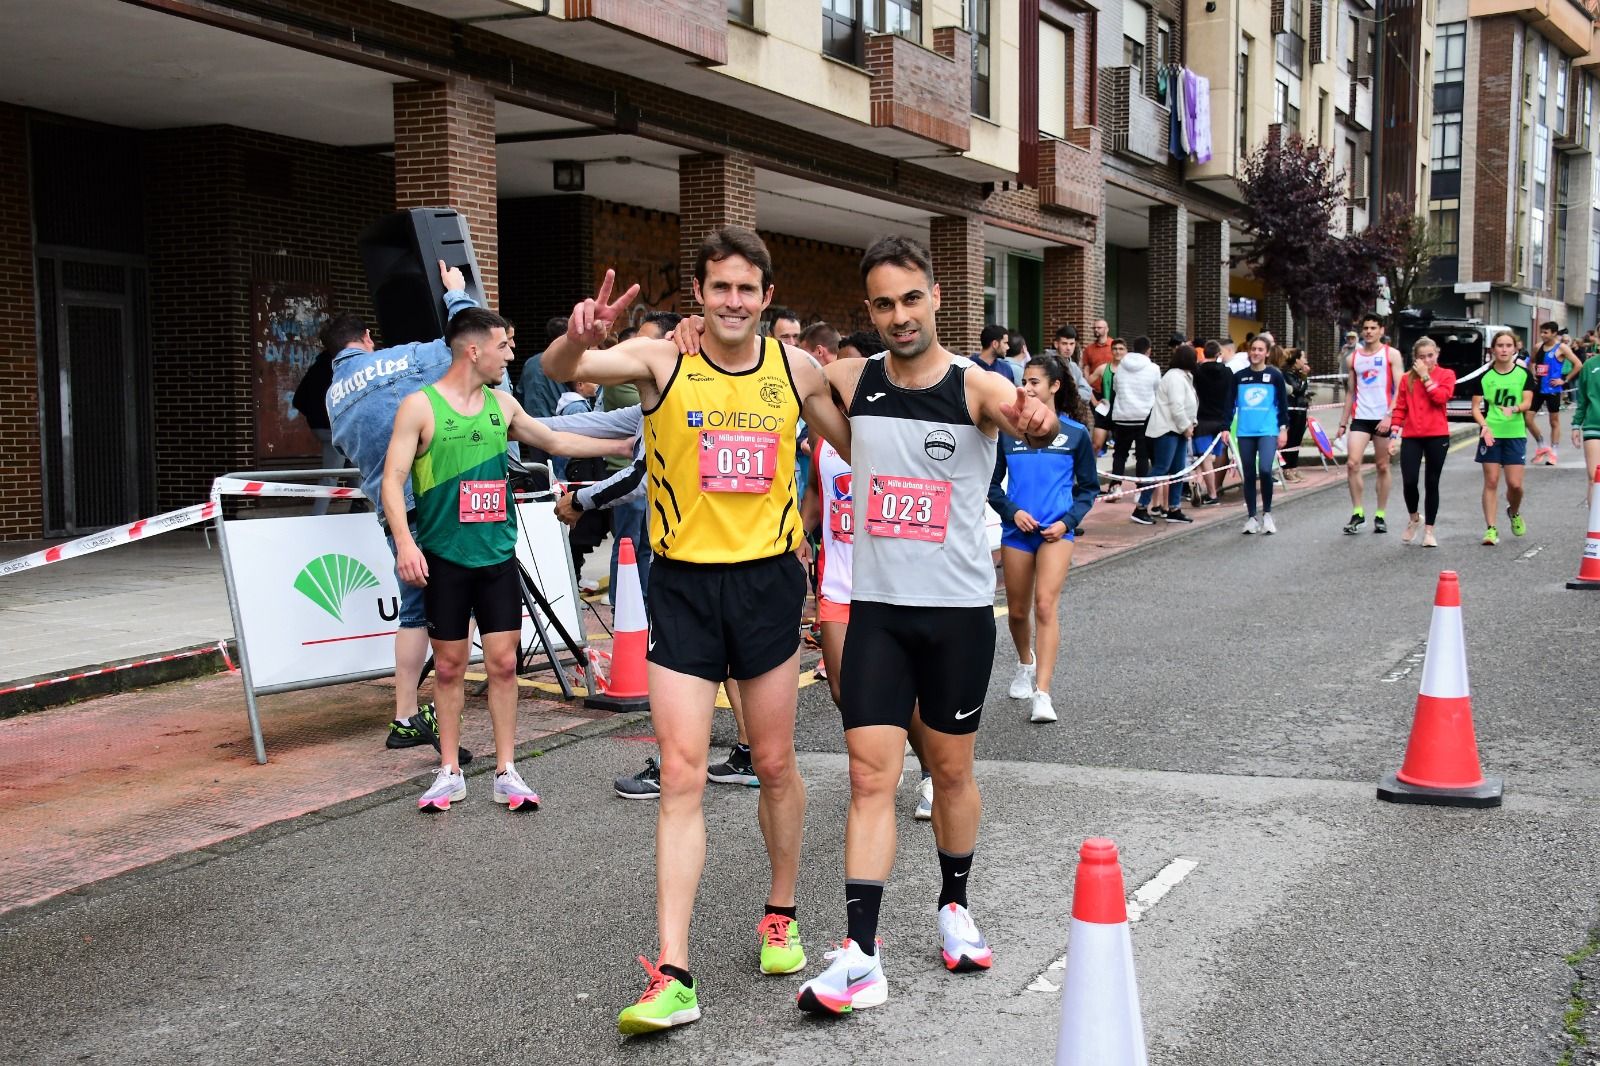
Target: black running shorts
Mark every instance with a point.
(1549, 401)
(722, 620)
(900, 658)
(454, 594)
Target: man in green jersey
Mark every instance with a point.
(450, 440)
(1586, 416)
(1505, 391)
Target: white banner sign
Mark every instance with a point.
(318, 599)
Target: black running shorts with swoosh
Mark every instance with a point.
(456, 594)
(722, 620)
(899, 658)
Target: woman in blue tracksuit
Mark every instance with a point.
(1048, 492)
(1261, 427)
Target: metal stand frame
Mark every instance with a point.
(533, 598)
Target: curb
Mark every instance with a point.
(121, 675)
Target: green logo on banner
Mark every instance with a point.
(328, 579)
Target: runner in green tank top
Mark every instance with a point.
(1505, 391)
(450, 439)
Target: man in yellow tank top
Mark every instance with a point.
(726, 590)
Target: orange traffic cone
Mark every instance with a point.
(1441, 765)
(625, 689)
(1589, 568)
(1100, 1022)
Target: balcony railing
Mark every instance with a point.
(1134, 125)
(1069, 173)
(923, 92)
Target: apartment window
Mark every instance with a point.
(1541, 159)
(1350, 169)
(1296, 17)
(1446, 153)
(1053, 52)
(1347, 44)
(978, 25)
(1287, 111)
(1543, 67)
(1536, 239)
(1243, 94)
(742, 11)
(1444, 220)
(1594, 264)
(845, 24)
(1322, 116)
(1562, 75)
(1135, 33)
(1588, 111)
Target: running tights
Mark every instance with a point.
(1413, 452)
(1255, 457)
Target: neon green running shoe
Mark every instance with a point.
(780, 945)
(666, 1002)
(1491, 536)
(1518, 526)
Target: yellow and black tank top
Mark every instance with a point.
(720, 451)
(464, 512)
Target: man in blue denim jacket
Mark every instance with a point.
(368, 385)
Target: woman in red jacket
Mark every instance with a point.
(1418, 422)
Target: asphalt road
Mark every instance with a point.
(1224, 699)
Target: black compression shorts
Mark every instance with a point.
(454, 594)
(900, 658)
(722, 620)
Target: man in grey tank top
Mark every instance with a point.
(923, 424)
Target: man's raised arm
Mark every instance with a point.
(576, 357)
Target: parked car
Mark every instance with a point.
(1463, 347)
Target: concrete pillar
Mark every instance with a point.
(1211, 280)
(444, 155)
(713, 191)
(1277, 318)
(956, 245)
(1169, 276)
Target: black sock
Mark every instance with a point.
(680, 973)
(954, 870)
(787, 912)
(862, 900)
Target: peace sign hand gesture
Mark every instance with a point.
(592, 320)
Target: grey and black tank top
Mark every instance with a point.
(920, 473)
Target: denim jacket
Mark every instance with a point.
(367, 390)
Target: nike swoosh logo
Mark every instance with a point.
(850, 901)
(851, 978)
(963, 873)
(968, 714)
(876, 396)
(652, 646)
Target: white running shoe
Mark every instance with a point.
(1043, 709)
(449, 784)
(513, 791)
(1022, 685)
(1268, 526)
(853, 979)
(1251, 526)
(924, 811)
(965, 949)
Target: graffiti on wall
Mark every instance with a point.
(286, 317)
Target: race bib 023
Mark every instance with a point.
(908, 508)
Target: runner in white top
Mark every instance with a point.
(1375, 372)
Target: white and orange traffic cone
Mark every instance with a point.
(1100, 1022)
(1441, 765)
(1589, 567)
(625, 689)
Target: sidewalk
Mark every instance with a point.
(118, 782)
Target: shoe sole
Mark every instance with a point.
(874, 996)
(922, 816)
(796, 968)
(641, 1026)
(637, 795)
(527, 803)
(397, 743)
(430, 806)
(748, 780)
(1025, 696)
(1041, 719)
(967, 964)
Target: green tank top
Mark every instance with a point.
(1505, 390)
(460, 485)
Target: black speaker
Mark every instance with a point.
(401, 254)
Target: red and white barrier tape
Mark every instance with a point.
(220, 648)
(232, 486)
(110, 538)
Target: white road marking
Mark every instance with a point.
(1145, 897)
(1404, 667)
(1531, 552)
